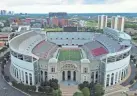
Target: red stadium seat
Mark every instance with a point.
(99, 51)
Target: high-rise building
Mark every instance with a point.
(63, 22)
(102, 21)
(117, 22)
(2, 12)
(55, 21)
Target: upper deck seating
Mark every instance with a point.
(109, 43)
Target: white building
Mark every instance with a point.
(35, 57)
(102, 21)
(117, 22)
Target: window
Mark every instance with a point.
(26, 75)
(111, 59)
(85, 78)
(22, 76)
(20, 56)
(66, 38)
(92, 75)
(85, 70)
(28, 58)
(119, 57)
(72, 38)
(46, 75)
(52, 69)
(112, 78)
(97, 75)
(116, 77)
(107, 82)
(17, 73)
(30, 78)
(15, 54)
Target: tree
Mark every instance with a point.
(78, 94)
(84, 84)
(135, 77)
(85, 91)
(7, 23)
(99, 91)
(57, 92)
(131, 82)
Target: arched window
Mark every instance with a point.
(119, 76)
(17, 73)
(97, 75)
(42, 76)
(122, 75)
(116, 76)
(46, 75)
(108, 78)
(112, 78)
(30, 78)
(26, 75)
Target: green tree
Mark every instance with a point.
(57, 92)
(85, 91)
(78, 94)
(7, 23)
(99, 91)
(131, 82)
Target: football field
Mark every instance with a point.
(71, 54)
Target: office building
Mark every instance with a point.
(117, 22)
(102, 21)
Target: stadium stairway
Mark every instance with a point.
(68, 90)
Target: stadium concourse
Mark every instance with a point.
(70, 57)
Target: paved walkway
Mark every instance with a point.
(68, 90)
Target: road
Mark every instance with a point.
(6, 89)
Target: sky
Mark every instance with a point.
(70, 6)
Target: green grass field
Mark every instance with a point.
(73, 55)
(53, 29)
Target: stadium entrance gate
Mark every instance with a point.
(69, 75)
(69, 72)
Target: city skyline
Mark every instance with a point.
(70, 6)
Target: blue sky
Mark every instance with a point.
(93, 1)
(70, 6)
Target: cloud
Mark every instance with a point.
(70, 6)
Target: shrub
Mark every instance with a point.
(57, 92)
(135, 77)
(23, 87)
(131, 82)
(7, 78)
(78, 94)
(81, 86)
(84, 84)
(54, 85)
(85, 91)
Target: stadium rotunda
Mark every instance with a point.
(70, 57)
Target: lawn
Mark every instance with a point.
(53, 29)
(71, 54)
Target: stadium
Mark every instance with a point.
(72, 57)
